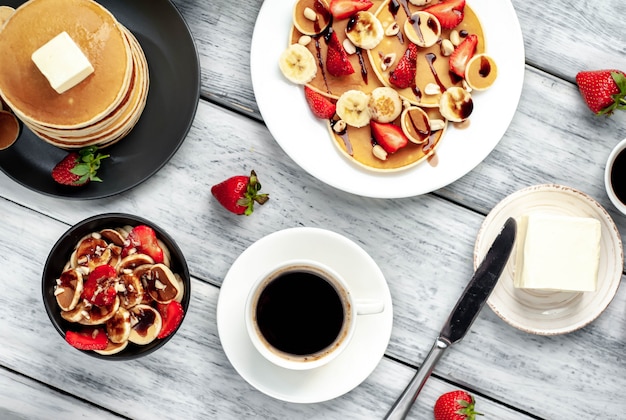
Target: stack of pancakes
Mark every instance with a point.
(100, 110)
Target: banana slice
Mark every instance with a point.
(353, 108)
(365, 30)
(181, 288)
(456, 104)
(167, 255)
(145, 323)
(298, 64)
(423, 29)
(385, 104)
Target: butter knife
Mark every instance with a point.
(462, 316)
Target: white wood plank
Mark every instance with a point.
(565, 37)
(23, 398)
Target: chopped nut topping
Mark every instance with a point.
(304, 40)
(310, 14)
(349, 46)
(431, 89)
(392, 29)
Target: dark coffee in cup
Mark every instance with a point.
(300, 315)
(300, 312)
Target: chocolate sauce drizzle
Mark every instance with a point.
(344, 136)
(431, 58)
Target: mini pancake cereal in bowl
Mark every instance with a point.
(116, 286)
(388, 76)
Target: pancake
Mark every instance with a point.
(356, 144)
(119, 122)
(95, 31)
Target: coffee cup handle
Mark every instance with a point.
(369, 306)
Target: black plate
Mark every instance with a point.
(61, 252)
(170, 109)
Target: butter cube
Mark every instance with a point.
(557, 253)
(62, 62)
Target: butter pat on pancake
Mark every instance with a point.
(27, 91)
(62, 62)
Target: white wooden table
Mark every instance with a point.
(426, 259)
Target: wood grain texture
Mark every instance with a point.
(190, 377)
(422, 244)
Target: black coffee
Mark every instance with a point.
(300, 313)
(618, 176)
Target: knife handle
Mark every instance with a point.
(403, 404)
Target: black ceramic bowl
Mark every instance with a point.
(61, 252)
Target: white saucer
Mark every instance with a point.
(349, 369)
(552, 312)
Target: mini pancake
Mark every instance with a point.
(100, 37)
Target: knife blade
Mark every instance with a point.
(462, 316)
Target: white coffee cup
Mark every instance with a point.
(616, 167)
(301, 314)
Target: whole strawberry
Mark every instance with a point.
(239, 193)
(455, 405)
(603, 90)
(79, 168)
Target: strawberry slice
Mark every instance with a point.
(462, 55)
(449, 13)
(342, 9)
(88, 339)
(337, 61)
(144, 239)
(99, 288)
(403, 76)
(172, 315)
(389, 136)
(320, 105)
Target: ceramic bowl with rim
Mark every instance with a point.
(61, 252)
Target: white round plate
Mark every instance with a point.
(307, 141)
(551, 312)
(351, 367)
